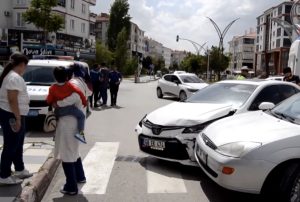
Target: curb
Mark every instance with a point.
(34, 190)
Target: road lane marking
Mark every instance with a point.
(98, 165)
(162, 180)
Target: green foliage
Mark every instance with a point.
(164, 71)
(159, 63)
(131, 66)
(40, 14)
(121, 53)
(119, 19)
(103, 54)
(194, 64)
(218, 61)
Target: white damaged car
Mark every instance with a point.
(256, 152)
(169, 132)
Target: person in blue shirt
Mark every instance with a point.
(95, 78)
(114, 78)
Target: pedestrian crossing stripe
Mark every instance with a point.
(99, 163)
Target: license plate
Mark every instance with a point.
(33, 113)
(154, 144)
(202, 155)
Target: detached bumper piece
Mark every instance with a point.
(173, 148)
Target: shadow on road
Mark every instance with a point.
(213, 192)
(79, 198)
(10, 191)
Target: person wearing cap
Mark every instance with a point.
(289, 77)
(244, 73)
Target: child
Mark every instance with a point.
(62, 90)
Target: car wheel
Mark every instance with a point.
(285, 187)
(159, 93)
(182, 96)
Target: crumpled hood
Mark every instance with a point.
(188, 114)
(250, 127)
(196, 85)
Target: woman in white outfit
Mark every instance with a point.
(66, 146)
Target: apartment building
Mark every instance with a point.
(136, 41)
(102, 22)
(154, 48)
(167, 54)
(272, 41)
(177, 57)
(78, 34)
(242, 51)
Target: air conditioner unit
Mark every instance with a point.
(6, 13)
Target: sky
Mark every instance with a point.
(162, 20)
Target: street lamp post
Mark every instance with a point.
(208, 57)
(196, 45)
(220, 33)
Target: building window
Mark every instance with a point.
(21, 2)
(288, 9)
(73, 4)
(278, 32)
(278, 43)
(279, 10)
(20, 20)
(61, 3)
(83, 27)
(72, 24)
(286, 43)
(83, 8)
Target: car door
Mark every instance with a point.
(165, 83)
(174, 87)
(267, 94)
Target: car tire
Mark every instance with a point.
(182, 96)
(159, 93)
(285, 187)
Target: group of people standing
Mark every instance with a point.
(103, 79)
(68, 97)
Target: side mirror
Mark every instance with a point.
(266, 106)
(177, 82)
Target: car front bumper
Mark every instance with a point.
(248, 176)
(177, 149)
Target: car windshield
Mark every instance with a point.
(289, 109)
(190, 79)
(224, 93)
(39, 75)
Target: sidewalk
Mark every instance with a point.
(145, 79)
(35, 155)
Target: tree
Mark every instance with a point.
(103, 54)
(119, 19)
(218, 61)
(121, 53)
(40, 14)
(194, 64)
(159, 63)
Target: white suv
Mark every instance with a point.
(179, 84)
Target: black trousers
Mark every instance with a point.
(74, 173)
(96, 94)
(13, 145)
(114, 89)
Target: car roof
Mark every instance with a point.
(181, 74)
(259, 82)
(50, 63)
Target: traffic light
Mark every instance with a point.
(177, 38)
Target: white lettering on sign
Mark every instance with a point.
(41, 51)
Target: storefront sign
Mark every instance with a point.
(41, 51)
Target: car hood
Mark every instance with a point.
(38, 92)
(188, 114)
(250, 127)
(196, 85)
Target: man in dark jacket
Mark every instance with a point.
(104, 73)
(115, 78)
(95, 77)
(289, 77)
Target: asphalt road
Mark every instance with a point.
(118, 171)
